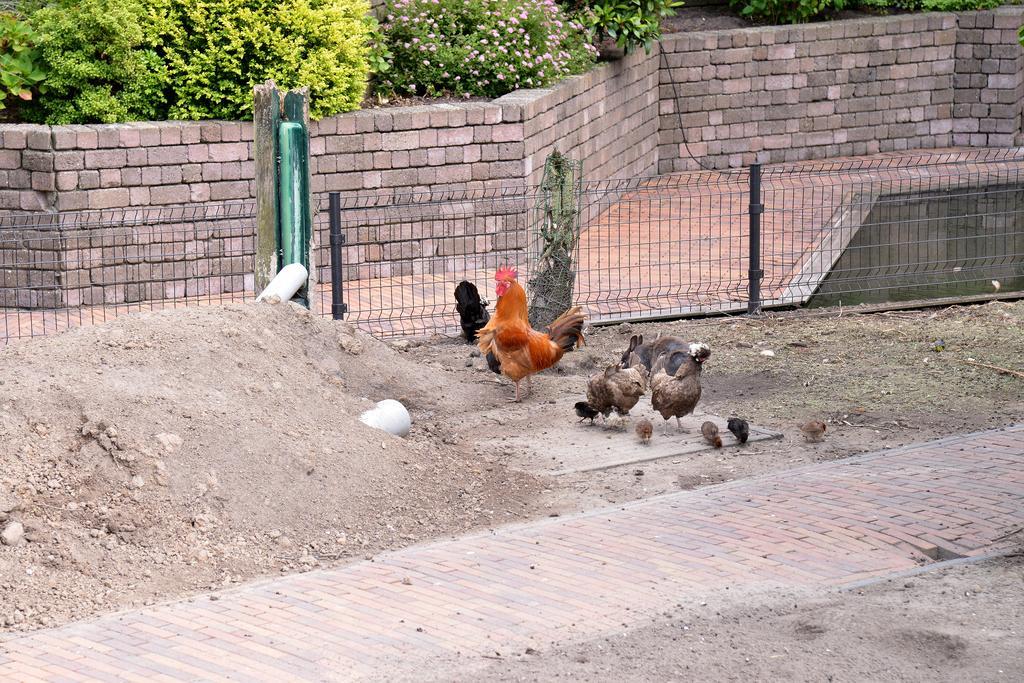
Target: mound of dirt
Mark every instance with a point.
(179, 450)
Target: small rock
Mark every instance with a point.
(8, 503)
(638, 472)
(13, 534)
(169, 441)
(401, 345)
(137, 482)
(768, 352)
(351, 345)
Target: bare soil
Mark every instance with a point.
(168, 453)
(958, 624)
(185, 450)
(874, 379)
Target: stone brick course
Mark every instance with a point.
(781, 94)
(727, 98)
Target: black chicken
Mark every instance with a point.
(739, 428)
(585, 411)
(472, 310)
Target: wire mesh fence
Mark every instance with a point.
(891, 227)
(869, 233)
(63, 270)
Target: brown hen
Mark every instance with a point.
(675, 384)
(616, 389)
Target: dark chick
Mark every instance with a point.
(586, 412)
(472, 310)
(739, 428)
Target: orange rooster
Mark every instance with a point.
(521, 350)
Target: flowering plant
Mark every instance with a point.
(478, 47)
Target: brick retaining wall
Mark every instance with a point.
(728, 98)
(767, 94)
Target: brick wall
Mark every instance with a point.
(68, 168)
(726, 97)
(988, 81)
(730, 98)
(607, 118)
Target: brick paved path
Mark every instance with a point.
(822, 525)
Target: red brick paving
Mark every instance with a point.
(576, 577)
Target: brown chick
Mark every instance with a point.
(813, 431)
(675, 384)
(616, 389)
(644, 430)
(710, 432)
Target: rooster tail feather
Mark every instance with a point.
(567, 329)
(485, 339)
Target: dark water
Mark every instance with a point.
(951, 243)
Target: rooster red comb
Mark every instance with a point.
(506, 274)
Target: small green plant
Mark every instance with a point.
(958, 5)
(929, 5)
(101, 68)
(630, 23)
(21, 69)
(787, 11)
(478, 47)
(217, 50)
(379, 57)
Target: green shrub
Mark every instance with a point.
(479, 47)
(786, 11)
(101, 67)
(21, 68)
(217, 50)
(631, 23)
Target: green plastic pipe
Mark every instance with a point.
(293, 194)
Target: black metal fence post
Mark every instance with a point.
(338, 306)
(755, 273)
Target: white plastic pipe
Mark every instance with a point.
(389, 415)
(284, 285)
